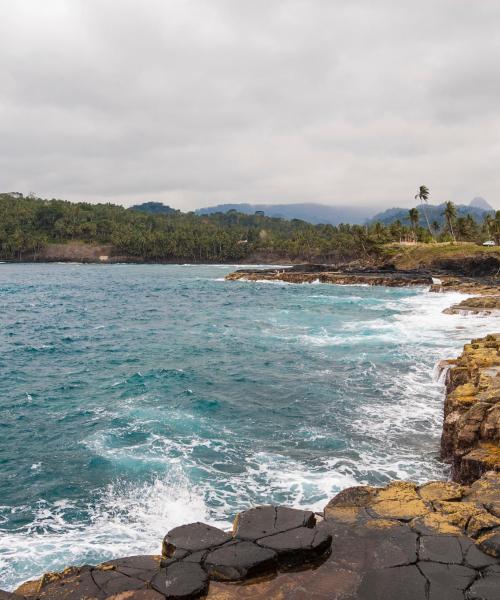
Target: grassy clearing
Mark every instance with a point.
(408, 256)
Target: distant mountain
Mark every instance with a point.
(434, 213)
(479, 202)
(154, 208)
(310, 212)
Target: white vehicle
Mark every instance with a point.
(489, 243)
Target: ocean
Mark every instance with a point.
(135, 398)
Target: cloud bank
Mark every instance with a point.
(197, 102)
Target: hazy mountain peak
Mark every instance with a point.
(480, 202)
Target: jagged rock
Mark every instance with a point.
(298, 545)
(268, 520)
(181, 581)
(8, 596)
(192, 538)
(471, 429)
(238, 560)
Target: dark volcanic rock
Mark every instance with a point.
(399, 583)
(376, 546)
(140, 567)
(181, 581)
(440, 548)
(238, 560)
(447, 582)
(485, 589)
(477, 559)
(191, 538)
(298, 545)
(114, 582)
(268, 520)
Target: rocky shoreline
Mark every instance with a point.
(471, 428)
(485, 288)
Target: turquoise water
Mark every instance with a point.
(134, 398)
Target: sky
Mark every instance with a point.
(200, 102)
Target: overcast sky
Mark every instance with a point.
(197, 102)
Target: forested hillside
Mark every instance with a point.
(29, 224)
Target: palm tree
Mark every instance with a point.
(414, 216)
(423, 196)
(450, 214)
(436, 227)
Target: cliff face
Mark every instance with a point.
(471, 429)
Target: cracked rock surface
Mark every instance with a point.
(438, 541)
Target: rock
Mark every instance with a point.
(480, 523)
(112, 582)
(349, 505)
(440, 490)
(239, 560)
(137, 595)
(298, 546)
(181, 581)
(436, 522)
(485, 588)
(75, 585)
(475, 558)
(268, 520)
(191, 538)
(490, 543)
(8, 596)
(139, 567)
(445, 578)
(398, 583)
(399, 500)
(440, 548)
(471, 430)
(378, 544)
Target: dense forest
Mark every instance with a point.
(29, 224)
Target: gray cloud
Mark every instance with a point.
(195, 102)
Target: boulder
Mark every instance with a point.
(191, 538)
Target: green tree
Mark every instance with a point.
(423, 195)
(450, 214)
(414, 218)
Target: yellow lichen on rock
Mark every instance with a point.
(440, 490)
(471, 429)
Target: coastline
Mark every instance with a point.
(49, 586)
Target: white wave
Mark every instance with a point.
(124, 520)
